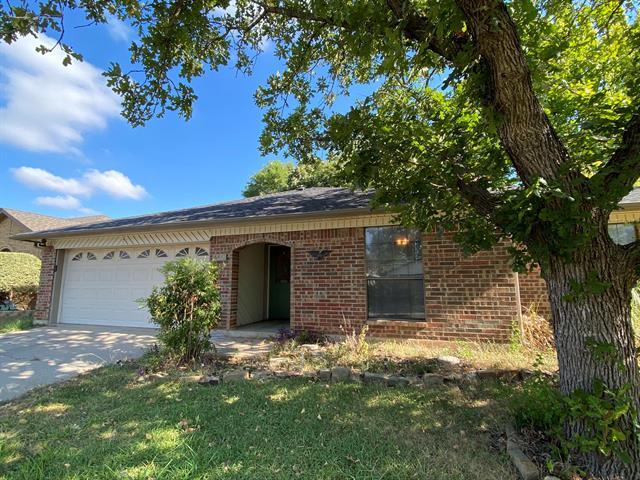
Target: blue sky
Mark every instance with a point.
(65, 151)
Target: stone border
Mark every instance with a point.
(526, 468)
(340, 374)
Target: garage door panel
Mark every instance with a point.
(106, 291)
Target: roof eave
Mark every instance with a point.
(630, 206)
(52, 234)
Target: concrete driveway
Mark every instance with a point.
(50, 354)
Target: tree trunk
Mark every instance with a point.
(598, 317)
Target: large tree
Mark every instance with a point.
(512, 121)
(273, 177)
(279, 176)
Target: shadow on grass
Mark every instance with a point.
(109, 425)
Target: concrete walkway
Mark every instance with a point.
(230, 344)
(46, 355)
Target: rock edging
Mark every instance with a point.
(340, 374)
(526, 468)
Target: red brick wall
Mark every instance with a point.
(45, 290)
(533, 294)
(466, 297)
(324, 293)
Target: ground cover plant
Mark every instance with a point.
(14, 324)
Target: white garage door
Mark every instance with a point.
(102, 287)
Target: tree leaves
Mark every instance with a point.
(424, 132)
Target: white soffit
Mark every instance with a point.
(174, 237)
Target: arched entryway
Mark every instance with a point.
(262, 287)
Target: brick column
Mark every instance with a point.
(45, 289)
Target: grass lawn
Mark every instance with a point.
(13, 324)
(107, 425)
(417, 357)
(480, 355)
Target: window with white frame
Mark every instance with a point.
(395, 279)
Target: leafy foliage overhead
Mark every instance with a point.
(442, 131)
(277, 176)
(273, 177)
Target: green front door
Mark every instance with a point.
(279, 282)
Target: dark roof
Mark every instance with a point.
(295, 202)
(317, 200)
(37, 222)
(632, 199)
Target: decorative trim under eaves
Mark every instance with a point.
(176, 237)
(625, 216)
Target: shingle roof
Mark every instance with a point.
(307, 201)
(632, 199)
(37, 222)
(295, 202)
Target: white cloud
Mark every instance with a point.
(119, 30)
(113, 183)
(38, 178)
(65, 202)
(45, 106)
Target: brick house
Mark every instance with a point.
(313, 259)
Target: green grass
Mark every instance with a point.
(13, 324)
(108, 425)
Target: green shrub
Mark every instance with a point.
(540, 406)
(19, 274)
(14, 324)
(186, 307)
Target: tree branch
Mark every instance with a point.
(299, 14)
(479, 198)
(419, 29)
(523, 127)
(416, 28)
(632, 256)
(617, 177)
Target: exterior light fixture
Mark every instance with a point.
(402, 241)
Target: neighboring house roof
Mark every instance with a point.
(308, 201)
(36, 222)
(632, 200)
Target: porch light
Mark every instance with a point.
(402, 241)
